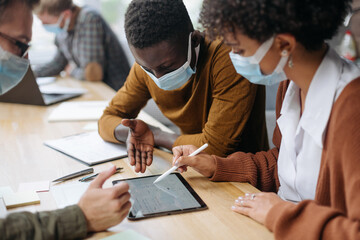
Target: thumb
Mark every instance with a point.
(102, 177)
(131, 123)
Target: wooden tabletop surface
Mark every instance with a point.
(24, 158)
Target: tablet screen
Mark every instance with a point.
(169, 196)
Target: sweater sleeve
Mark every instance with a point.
(54, 67)
(127, 103)
(259, 169)
(67, 223)
(233, 98)
(336, 215)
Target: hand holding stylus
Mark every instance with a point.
(176, 165)
(203, 163)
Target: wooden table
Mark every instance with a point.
(24, 158)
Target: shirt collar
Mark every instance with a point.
(321, 96)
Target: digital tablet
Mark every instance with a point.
(172, 195)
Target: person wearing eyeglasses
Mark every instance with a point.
(87, 48)
(19, 47)
(98, 208)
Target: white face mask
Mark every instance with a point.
(55, 28)
(12, 70)
(249, 67)
(179, 77)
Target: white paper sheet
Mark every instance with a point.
(69, 193)
(56, 89)
(78, 111)
(88, 147)
(41, 186)
(45, 80)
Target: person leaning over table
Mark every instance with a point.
(87, 48)
(191, 80)
(316, 160)
(98, 209)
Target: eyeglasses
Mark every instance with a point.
(24, 48)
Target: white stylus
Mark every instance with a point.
(175, 167)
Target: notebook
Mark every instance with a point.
(28, 92)
(89, 148)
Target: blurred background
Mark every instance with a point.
(43, 48)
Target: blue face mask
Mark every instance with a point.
(12, 70)
(249, 67)
(55, 28)
(179, 77)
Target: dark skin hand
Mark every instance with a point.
(140, 139)
(140, 144)
(159, 59)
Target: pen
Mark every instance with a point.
(74, 175)
(197, 151)
(88, 178)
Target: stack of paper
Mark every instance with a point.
(19, 199)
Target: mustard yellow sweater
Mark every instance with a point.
(216, 106)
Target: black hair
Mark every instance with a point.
(311, 22)
(148, 22)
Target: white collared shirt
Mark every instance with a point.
(302, 138)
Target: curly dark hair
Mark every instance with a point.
(310, 21)
(6, 3)
(148, 22)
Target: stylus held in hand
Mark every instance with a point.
(164, 175)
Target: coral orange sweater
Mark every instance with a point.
(335, 212)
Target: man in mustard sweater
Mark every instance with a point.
(192, 81)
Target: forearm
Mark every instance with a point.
(67, 223)
(78, 73)
(161, 138)
(218, 145)
(49, 69)
(260, 170)
(52, 68)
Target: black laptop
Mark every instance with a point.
(28, 92)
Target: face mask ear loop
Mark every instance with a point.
(280, 67)
(3, 55)
(60, 19)
(189, 49)
(262, 50)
